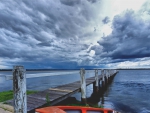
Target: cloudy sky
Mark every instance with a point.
(75, 33)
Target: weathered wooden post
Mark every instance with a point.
(106, 78)
(113, 71)
(19, 88)
(103, 79)
(83, 86)
(109, 75)
(96, 83)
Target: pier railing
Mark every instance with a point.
(19, 85)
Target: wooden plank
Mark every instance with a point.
(67, 88)
(90, 80)
(32, 106)
(74, 85)
(35, 99)
(60, 89)
(34, 102)
(39, 95)
(77, 82)
(60, 92)
(64, 97)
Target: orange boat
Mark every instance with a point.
(73, 109)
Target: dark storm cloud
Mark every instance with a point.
(97, 49)
(93, 1)
(106, 20)
(33, 31)
(130, 37)
(70, 2)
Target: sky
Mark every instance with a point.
(70, 34)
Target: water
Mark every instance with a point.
(128, 93)
(41, 80)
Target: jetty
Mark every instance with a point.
(28, 103)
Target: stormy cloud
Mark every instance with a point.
(35, 31)
(106, 20)
(49, 34)
(130, 37)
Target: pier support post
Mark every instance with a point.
(106, 77)
(19, 88)
(113, 73)
(83, 86)
(96, 83)
(103, 79)
(109, 75)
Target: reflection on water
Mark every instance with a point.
(130, 92)
(2, 80)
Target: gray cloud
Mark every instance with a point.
(70, 2)
(93, 1)
(130, 37)
(106, 20)
(52, 33)
(32, 31)
(98, 49)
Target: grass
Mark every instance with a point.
(47, 100)
(7, 95)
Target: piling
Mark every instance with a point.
(19, 88)
(83, 86)
(96, 83)
(103, 79)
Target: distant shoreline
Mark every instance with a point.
(39, 69)
(136, 69)
(71, 69)
(45, 69)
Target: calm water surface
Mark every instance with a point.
(128, 93)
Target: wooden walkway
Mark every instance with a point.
(56, 94)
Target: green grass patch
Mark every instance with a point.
(47, 100)
(7, 95)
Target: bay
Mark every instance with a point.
(128, 93)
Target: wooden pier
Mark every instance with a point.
(59, 93)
